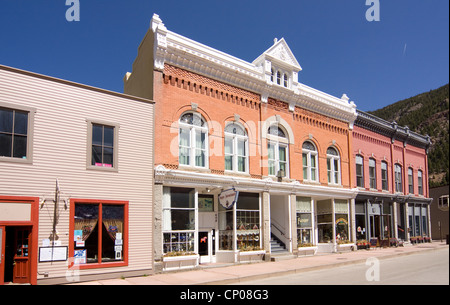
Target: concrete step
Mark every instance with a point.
(281, 256)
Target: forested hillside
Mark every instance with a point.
(426, 113)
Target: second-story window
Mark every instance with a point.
(398, 178)
(333, 166)
(384, 176)
(277, 152)
(193, 140)
(13, 133)
(372, 173)
(420, 182)
(103, 145)
(410, 181)
(359, 171)
(309, 156)
(236, 156)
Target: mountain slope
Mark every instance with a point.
(426, 113)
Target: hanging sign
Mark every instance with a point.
(228, 198)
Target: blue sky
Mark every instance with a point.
(375, 63)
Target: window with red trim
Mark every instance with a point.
(99, 233)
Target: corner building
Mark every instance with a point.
(223, 126)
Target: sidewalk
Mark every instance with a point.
(237, 273)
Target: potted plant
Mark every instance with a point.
(250, 253)
(180, 260)
(413, 240)
(306, 249)
(345, 245)
(362, 244)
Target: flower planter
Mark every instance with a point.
(365, 246)
(345, 247)
(180, 262)
(250, 256)
(304, 251)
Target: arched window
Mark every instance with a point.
(272, 74)
(309, 155)
(333, 166)
(193, 140)
(285, 80)
(372, 173)
(236, 148)
(278, 153)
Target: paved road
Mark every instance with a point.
(429, 268)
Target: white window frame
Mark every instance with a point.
(235, 139)
(310, 154)
(334, 172)
(194, 131)
(420, 181)
(278, 142)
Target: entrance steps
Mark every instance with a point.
(278, 250)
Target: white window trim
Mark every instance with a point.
(277, 144)
(332, 170)
(235, 138)
(192, 140)
(310, 154)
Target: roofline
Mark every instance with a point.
(74, 84)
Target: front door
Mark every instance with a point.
(204, 243)
(21, 262)
(2, 255)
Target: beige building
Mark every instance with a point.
(76, 183)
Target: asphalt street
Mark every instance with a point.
(428, 268)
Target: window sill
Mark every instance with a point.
(16, 160)
(103, 168)
(102, 265)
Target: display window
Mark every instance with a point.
(99, 233)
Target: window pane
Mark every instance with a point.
(185, 137)
(229, 163)
(6, 120)
(20, 147)
(241, 164)
(228, 145)
(112, 234)
(108, 139)
(86, 222)
(97, 134)
(21, 122)
(282, 153)
(182, 198)
(200, 158)
(183, 219)
(241, 148)
(184, 156)
(96, 154)
(108, 155)
(5, 145)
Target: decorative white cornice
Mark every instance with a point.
(177, 50)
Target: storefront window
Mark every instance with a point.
(304, 221)
(99, 232)
(325, 221)
(178, 219)
(360, 219)
(226, 229)
(248, 222)
(341, 220)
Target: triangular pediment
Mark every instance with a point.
(281, 52)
